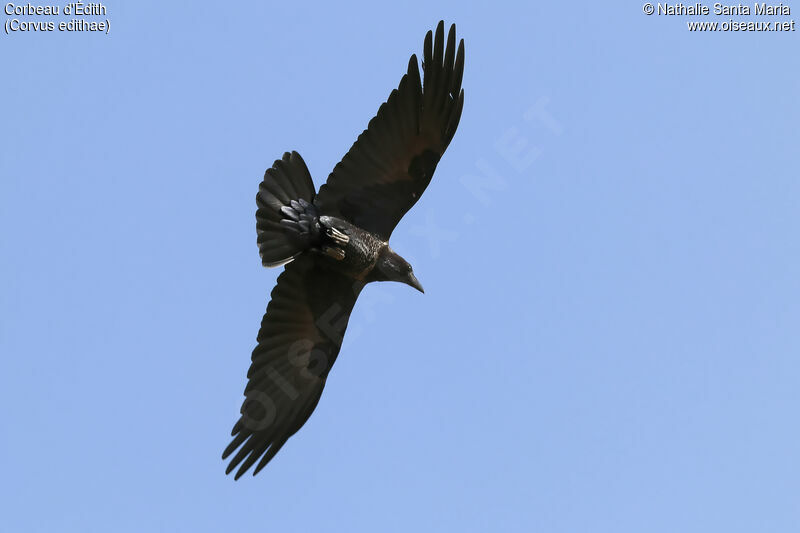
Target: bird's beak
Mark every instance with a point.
(414, 282)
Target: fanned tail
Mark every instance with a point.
(286, 219)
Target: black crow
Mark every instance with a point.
(335, 242)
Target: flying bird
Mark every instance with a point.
(335, 241)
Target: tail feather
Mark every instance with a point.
(286, 218)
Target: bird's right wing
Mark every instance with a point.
(299, 339)
(391, 163)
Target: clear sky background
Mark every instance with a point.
(609, 336)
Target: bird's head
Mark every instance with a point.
(392, 267)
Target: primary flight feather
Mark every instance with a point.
(336, 241)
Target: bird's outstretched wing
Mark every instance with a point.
(388, 168)
(298, 342)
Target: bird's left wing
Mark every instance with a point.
(388, 168)
(298, 342)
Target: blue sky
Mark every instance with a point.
(608, 341)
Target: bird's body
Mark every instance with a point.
(355, 255)
(335, 241)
